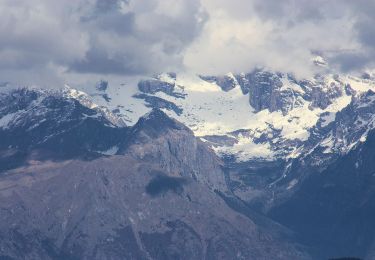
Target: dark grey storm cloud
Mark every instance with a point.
(128, 37)
(97, 36)
(144, 37)
(364, 31)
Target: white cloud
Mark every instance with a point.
(124, 37)
(234, 41)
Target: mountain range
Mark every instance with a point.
(257, 165)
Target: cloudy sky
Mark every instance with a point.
(44, 41)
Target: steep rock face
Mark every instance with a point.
(153, 85)
(320, 92)
(226, 82)
(166, 85)
(267, 90)
(263, 91)
(102, 85)
(160, 139)
(322, 97)
(159, 84)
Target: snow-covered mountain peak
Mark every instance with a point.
(87, 101)
(257, 115)
(261, 114)
(80, 96)
(31, 106)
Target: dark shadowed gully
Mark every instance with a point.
(162, 184)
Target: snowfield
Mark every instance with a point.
(219, 110)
